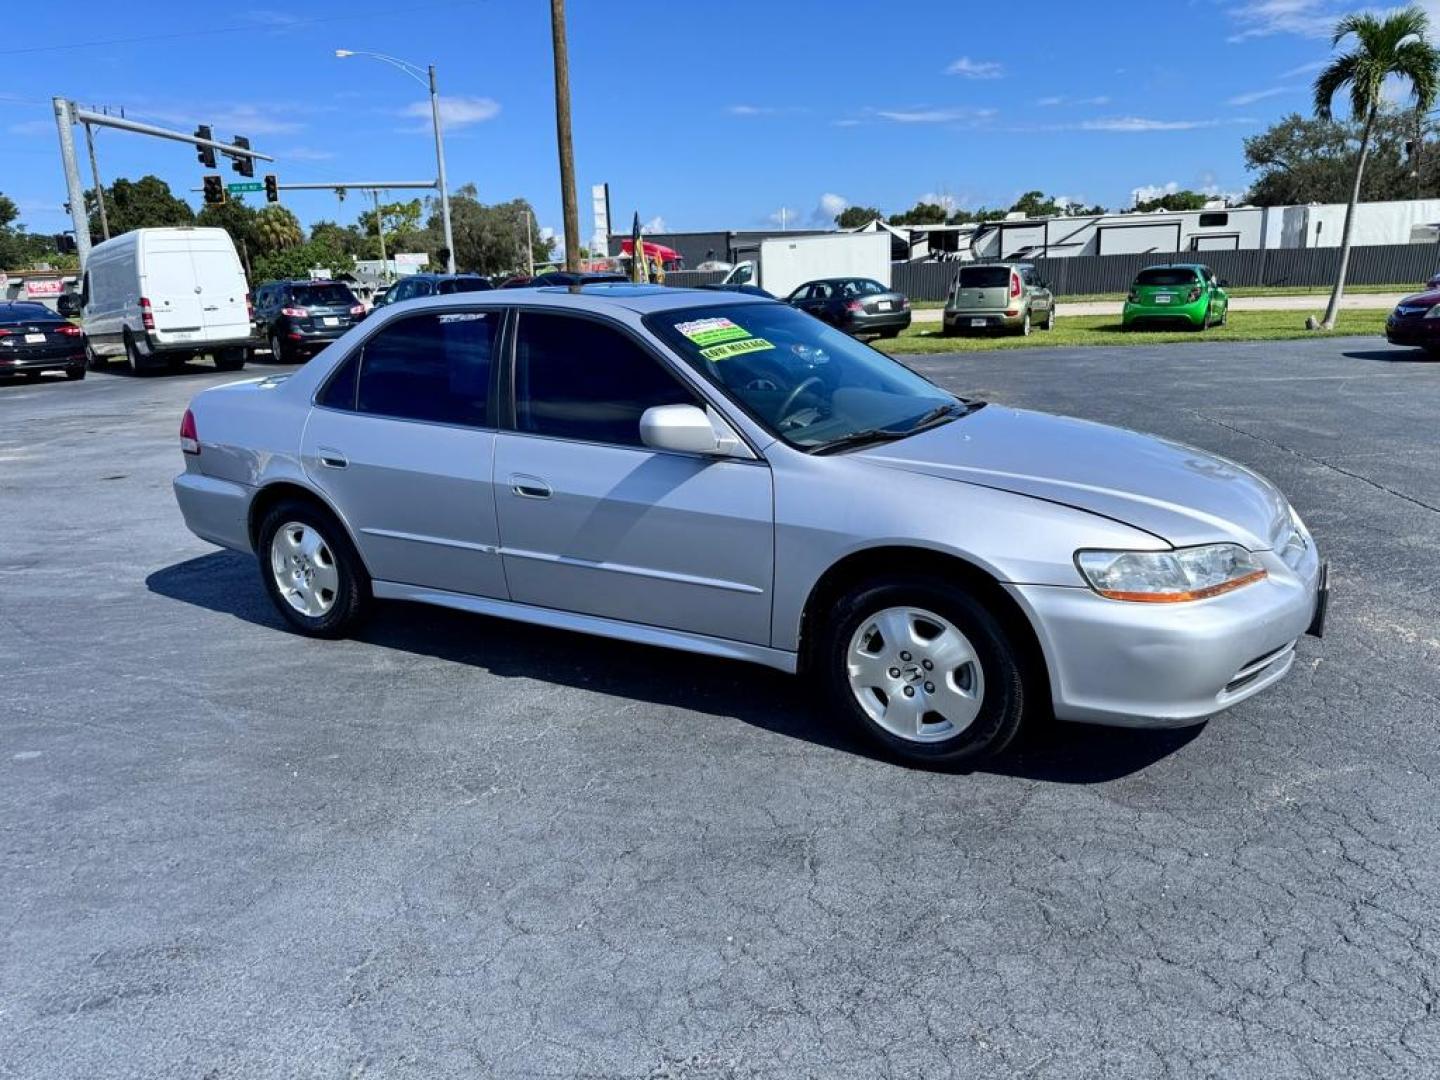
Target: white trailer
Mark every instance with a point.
(783, 263)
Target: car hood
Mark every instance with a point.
(1429, 298)
(1180, 494)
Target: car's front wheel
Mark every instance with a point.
(924, 670)
(314, 576)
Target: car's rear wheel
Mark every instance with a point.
(313, 575)
(924, 670)
(230, 359)
(132, 356)
(1024, 330)
(278, 355)
(76, 372)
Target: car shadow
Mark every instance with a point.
(225, 582)
(1398, 355)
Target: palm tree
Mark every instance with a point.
(276, 229)
(1394, 45)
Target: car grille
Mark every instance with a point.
(1405, 311)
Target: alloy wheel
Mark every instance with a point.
(304, 568)
(915, 674)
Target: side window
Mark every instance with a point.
(580, 379)
(430, 367)
(397, 291)
(339, 392)
(423, 288)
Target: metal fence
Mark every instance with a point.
(1080, 275)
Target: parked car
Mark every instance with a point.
(998, 296)
(377, 298)
(1182, 292)
(725, 475)
(34, 339)
(1416, 322)
(299, 318)
(415, 286)
(571, 277)
(855, 305)
(159, 297)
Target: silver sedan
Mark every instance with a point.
(723, 474)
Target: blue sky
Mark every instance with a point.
(699, 115)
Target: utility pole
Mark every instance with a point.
(440, 165)
(562, 132)
(64, 123)
(380, 232)
(99, 188)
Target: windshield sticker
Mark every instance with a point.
(735, 348)
(711, 331)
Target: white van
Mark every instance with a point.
(161, 296)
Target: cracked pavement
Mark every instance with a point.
(460, 847)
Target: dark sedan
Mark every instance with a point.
(33, 339)
(855, 305)
(1416, 322)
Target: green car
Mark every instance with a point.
(1181, 292)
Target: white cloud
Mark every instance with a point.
(848, 121)
(941, 199)
(304, 153)
(828, 208)
(975, 69)
(655, 225)
(1146, 192)
(926, 115)
(784, 216)
(1142, 123)
(1266, 18)
(1252, 96)
(32, 127)
(228, 119)
(455, 112)
(750, 110)
(1060, 99)
(1304, 69)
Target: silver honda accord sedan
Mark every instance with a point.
(723, 474)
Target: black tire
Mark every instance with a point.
(1024, 328)
(133, 359)
(229, 359)
(278, 355)
(75, 373)
(1205, 320)
(352, 595)
(1050, 318)
(1004, 667)
(94, 360)
(890, 333)
(1225, 314)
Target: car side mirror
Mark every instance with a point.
(68, 305)
(683, 429)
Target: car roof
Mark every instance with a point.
(600, 297)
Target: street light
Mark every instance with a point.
(425, 77)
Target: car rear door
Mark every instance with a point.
(220, 286)
(593, 521)
(402, 442)
(983, 288)
(167, 280)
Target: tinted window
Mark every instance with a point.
(430, 367)
(1208, 220)
(579, 379)
(25, 313)
(985, 277)
(464, 284)
(339, 392)
(331, 294)
(1166, 275)
(863, 287)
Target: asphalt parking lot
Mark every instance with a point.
(461, 847)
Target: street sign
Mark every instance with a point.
(239, 189)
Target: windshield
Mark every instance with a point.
(463, 284)
(324, 294)
(1166, 275)
(985, 277)
(803, 381)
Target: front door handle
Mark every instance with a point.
(331, 458)
(529, 487)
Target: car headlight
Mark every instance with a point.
(1167, 577)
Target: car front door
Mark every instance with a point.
(402, 442)
(593, 521)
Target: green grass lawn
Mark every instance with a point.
(1106, 330)
(1322, 293)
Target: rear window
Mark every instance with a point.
(323, 294)
(1166, 275)
(24, 312)
(470, 284)
(862, 287)
(985, 277)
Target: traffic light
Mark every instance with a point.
(245, 166)
(214, 190)
(272, 188)
(205, 154)
(64, 243)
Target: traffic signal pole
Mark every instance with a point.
(99, 189)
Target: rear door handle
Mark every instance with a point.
(331, 458)
(529, 487)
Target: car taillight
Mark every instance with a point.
(358, 309)
(1194, 295)
(68, 329)
(249, 310)
(904, 303)
(147, 316)
(189, 434)
(1014, 285)
(295, 312)
(854, 305)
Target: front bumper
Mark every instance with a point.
(1172, 665)
(1416, 332)
(1194, 314)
